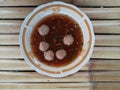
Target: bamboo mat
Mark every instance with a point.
(102, 72)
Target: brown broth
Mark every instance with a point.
(60, 25)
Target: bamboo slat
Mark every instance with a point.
(104, 65)
(97, 2)
(60, 86)
(106, 86)
(76, 2)
(107, 76)
(93, 13)
(27, 2)
(100, 26)
(45, 86)
(16, 13)
(21, 65)
(101, 76)
(101, 40)
(35, 77)
(102, 13)
(10, 26)
(99, 52)
(9, 39)
(106, 52)
(107, 40)
(20, 2)
(107, 27)
(6, 64)
(10, 52)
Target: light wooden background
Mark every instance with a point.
(102, 71)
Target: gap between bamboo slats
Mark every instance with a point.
(101, 40)
(99, 52)
(97, 2)
(20, 65)
(101, 76)
(28, 2)
(93, 13)
(100, 26)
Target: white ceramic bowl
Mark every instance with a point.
(35, 16)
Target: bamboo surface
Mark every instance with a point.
(97, 2)
(102, 72)
(93, 13)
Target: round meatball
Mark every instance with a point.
(60, 54)
(68, 40)
(43, 30)
(49, 55)
(43, 46)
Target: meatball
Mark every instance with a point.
(68, 40)
(60, 54)
(49, 55)
(43, 30)
(43, 46)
